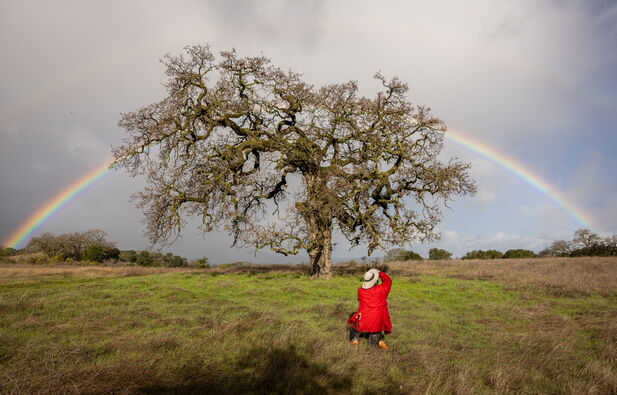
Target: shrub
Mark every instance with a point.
(41, 259)
(61, 258)
(479, 254)
(144, 259)
(111, 254)
(171, 260)
(8, 251)
(37, 258)
(200, 263)
(154, 258)
(66, 256)
(128, 256)
(94, 253)
(400, 254)
(56, 259)
(519, 253)
(411, 256)
(438, 253)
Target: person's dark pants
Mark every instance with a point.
(373, 337)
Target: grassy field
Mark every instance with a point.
(520, 326)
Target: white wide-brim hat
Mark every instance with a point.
(370, 278)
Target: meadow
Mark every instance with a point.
(504, 326)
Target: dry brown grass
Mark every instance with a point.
(556, 276)
(28, 270)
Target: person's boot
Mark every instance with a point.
(382, 345)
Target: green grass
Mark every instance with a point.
(267, 333)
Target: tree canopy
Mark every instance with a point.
(69, 244)
(584, 243)
(230, 135)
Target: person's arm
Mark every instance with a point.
(386, 283)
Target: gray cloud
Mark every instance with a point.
(532, 78)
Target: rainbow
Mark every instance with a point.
(37, 219)
(45, 212)
(522, 172)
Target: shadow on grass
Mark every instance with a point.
(258, 371)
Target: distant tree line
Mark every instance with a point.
(400, 254)
(495, 254)
(584, 243)
(75, 246)
(92, 246)
(157, 258)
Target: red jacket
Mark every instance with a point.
(374, 315)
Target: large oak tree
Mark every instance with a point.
(231, 134)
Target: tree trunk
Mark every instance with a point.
(320, 248)
(316, 213)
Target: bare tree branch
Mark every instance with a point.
(224, 140)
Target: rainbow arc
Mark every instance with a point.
(49, 208)
(524, 173)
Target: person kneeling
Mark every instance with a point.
(372, 319)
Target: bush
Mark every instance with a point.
(144, 259)
(129, 256)
(66, 256)
(400, 254)
(519, 253)
(171, 260)
(8, 251)
(154, 258)
(97, 253)
(438, 253)
(411, 256)
(56, 259)
(61, 258)
(37, 258)
(40, 259)
(479, 254)
(111, 254)
(94, 253)
(201, 263)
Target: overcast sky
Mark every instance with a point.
(536, 80)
